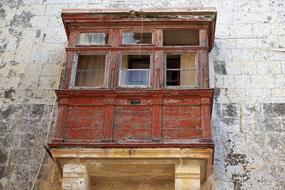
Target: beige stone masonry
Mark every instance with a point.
(187, 177)
(75, 177)
(134, 168)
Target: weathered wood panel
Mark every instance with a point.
(84, 123)
(132, 123)
(132, 116)
(181, 122)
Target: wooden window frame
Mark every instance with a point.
(115, 49)
(107, 31)
(150, 86)
(180, 46)
(137, 30)
(74, 70)
(165, 69)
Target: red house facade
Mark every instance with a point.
(135, 110)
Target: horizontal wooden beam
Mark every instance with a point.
(192, 10)
(132, 153)
(89, 144)
(134, 92)
(135, 48)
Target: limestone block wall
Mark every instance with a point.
(247, 71)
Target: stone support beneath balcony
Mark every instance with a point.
(133, 168)
(187, 177)
(75, 177)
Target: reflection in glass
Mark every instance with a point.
(93, 39)
(137, 38)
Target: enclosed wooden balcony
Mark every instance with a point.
(133, 118)
(135, 106)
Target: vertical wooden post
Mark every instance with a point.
(58, 136)
(203, 59)
(156, 116)
(70, 61)
(187, 177)
(158, 38)
(115, 60)
(73, 38)
(109, 118)
(206, 118)
(75, 177)
(203, 37)
(158, 70)
(115, 38)
(203, 68)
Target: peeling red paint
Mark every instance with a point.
(161, 115)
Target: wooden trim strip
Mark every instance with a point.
(134, 48)
(133, 153)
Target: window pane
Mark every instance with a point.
(93, 39)
(181, 70)
(135, 70)
(137, 38)
(90, 71)
(173, 61)
(173, 78)
(180, 37)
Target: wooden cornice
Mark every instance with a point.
(78, 18)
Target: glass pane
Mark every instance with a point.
(135, 70)
(180, 37)
(173, 78)
(137, 38)
(93, 39)
(134, 77)
(90, 71)
(181, 70)
(173, 61)
(188, 78)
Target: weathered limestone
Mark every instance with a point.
(75, 177)
(248, 119)
(142, 168)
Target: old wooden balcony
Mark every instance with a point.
(133, 118)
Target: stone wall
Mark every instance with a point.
(248, 73)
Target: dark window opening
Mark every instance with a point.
(173, 70)
(135, 70)
(180, 37)
(181, 70)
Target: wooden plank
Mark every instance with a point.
(203, 38)
(190, 93)
(156, 117)
(203, 69)
(134, 48)
(137, 26)
(109, 119)
(72, 40)
(68, 72)
(206, 118)
(59, 130)
(158, 70)
(134, 153)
